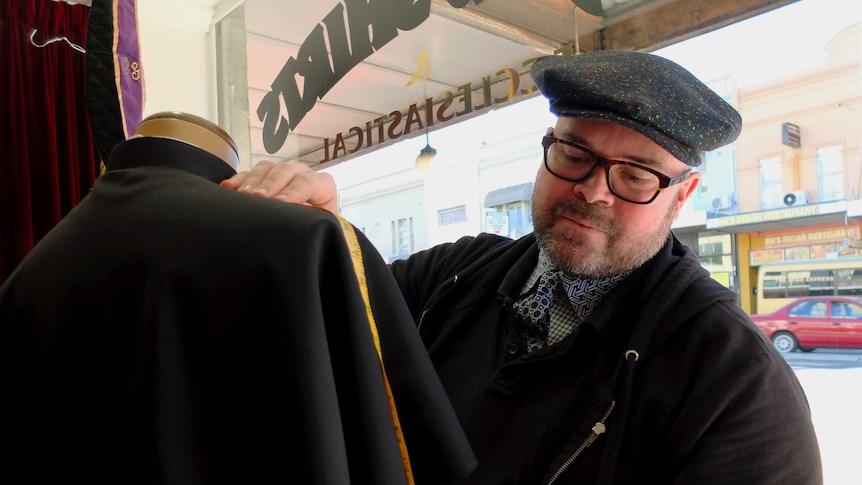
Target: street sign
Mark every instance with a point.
(497, 222)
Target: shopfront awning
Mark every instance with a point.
(509, 195)
(797, 217)
(330, 80)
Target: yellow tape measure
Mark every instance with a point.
(359, 268)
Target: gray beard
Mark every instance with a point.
(567, 253)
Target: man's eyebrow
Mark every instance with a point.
(640, 159)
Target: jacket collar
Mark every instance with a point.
(652, 285)
(166, 152)
(656, 290)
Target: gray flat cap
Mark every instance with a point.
(644, 92)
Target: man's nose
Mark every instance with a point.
(595, 189)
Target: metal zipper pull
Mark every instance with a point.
(598, 429)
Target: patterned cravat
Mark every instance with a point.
(534, 308)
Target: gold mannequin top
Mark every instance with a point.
(193, 130)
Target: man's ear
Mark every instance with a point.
(685, 191)
(693, 181)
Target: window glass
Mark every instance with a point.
(796, 65)
(830, 172)
(402, 238)
(449, 216)
(852, 310)
(771, 191)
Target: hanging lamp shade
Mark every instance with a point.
(423, 161)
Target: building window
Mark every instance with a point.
(402, 238)
(830, 173)
(452, 215)
(716, 254)
(703, 186)
(715, 251)
(771, 193)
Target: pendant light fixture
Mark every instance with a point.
(423, 161)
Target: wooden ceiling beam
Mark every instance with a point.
(664, 23)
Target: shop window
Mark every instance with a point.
(715, 251)
(512, 220)
(716, 254)
(511, 213)
(402, 238)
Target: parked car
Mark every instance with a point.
(814, 322)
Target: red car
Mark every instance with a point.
(814, 322)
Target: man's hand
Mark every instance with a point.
(288, 182)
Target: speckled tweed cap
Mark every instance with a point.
(644, 92)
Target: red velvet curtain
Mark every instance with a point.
(50, 161)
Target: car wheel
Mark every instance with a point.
(785, 342)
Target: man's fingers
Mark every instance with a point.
(311, 188)
(264, 177)
(288, 182)
(236, 181)
(247, 181)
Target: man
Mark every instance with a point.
(644, 369)
(169, 330)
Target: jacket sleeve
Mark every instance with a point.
(746, 420)
(762, 434)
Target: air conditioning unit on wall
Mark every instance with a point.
(721, 203)
(796, 198)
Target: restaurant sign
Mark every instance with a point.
(838, 235)
(763, 216)
(761, 256)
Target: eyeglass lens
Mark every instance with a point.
(626, 181)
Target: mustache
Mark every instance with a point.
(587, 212)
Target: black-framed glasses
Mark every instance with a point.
(629, 181)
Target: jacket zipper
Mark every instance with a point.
(421, 319)
(598, 429)
(433, 299)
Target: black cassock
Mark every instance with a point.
(169, 330)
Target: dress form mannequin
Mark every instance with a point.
(170, 330)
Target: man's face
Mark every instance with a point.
(588, 230)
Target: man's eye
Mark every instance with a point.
(635, 176)
(573, 155)
(578, 159)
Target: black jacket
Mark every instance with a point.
(685, 388)
(172, 331)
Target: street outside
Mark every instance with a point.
(832, 380)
